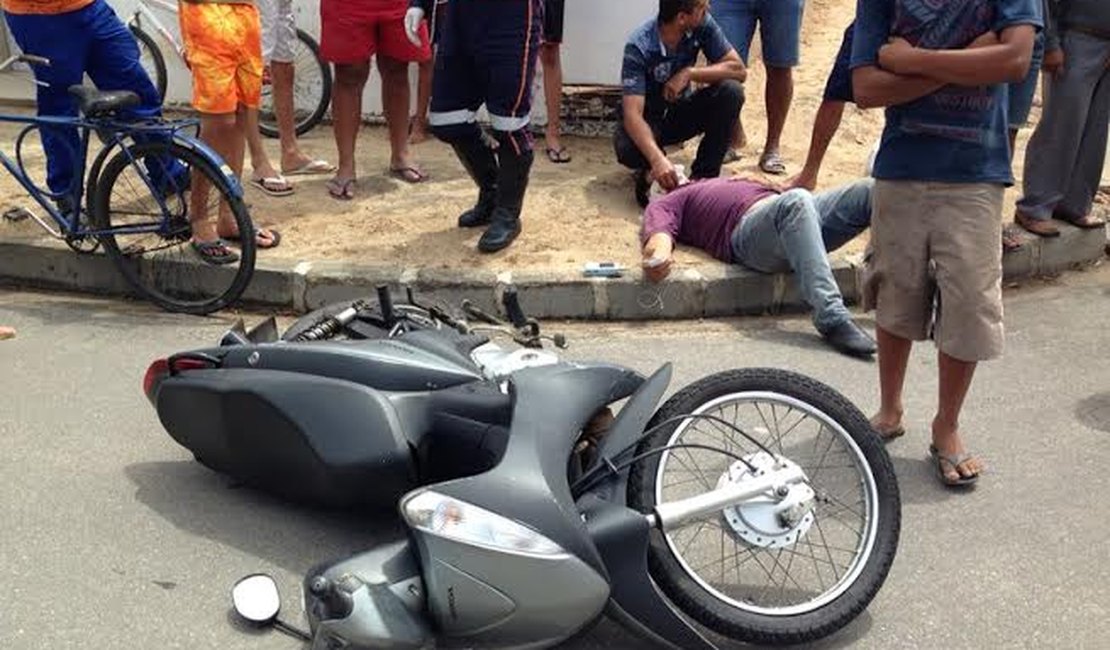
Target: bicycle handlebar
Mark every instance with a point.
(29, 59)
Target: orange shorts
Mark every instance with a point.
(223, 45)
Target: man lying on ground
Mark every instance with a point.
(750, 223)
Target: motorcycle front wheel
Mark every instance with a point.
(749, 572)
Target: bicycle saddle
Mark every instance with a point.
(93, 102)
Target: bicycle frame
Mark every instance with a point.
(143, 11)
(120, 132)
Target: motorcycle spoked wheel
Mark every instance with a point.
(369, 324)
(734, 572)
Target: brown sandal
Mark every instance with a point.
(1039, 227)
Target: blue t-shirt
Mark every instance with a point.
(648, 65)
(959, 133)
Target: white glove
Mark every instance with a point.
(412, 25)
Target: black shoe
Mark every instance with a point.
(849, 338)
(643, 188)
(503, 229)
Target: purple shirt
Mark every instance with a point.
(704, 213)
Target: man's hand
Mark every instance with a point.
(1054, 62)
(658, 256)
(676, 85)
(664, 173)
(413, 17)
(895, 56)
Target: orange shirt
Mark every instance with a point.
(44, 6)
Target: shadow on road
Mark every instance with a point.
(203, 503)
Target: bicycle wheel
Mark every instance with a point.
(149, 238)
(767, 571)
(311, 90)
(150, 57)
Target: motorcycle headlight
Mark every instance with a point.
(451, 518)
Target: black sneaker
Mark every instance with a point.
(849, 338)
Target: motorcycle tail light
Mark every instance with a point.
(160, 369)
(154, 375)
(460, 521)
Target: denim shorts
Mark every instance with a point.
(1021, 93)
(780, 27)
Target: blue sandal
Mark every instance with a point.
(216, 252)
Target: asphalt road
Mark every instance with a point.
(113, 538)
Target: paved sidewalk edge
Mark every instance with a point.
(716, 290)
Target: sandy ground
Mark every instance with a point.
(579, 212)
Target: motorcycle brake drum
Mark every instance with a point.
(768, 521)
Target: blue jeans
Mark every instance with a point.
(780, 27)
(795, 231)
(91, 40)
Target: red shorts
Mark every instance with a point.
(352, 31)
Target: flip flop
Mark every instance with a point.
(1011, 239)
(410, 174)
(731, 156)
(772, 163)
(311, 167)
(273, 185)
(559, 156)
(342, 189)
(955, 461)
(274, 237)
(216, 252)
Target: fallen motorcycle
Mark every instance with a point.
(755, 504)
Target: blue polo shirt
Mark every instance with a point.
(959, 133)
(648, 65)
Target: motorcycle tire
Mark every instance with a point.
(740, 617)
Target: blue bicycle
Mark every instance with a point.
(139, 201)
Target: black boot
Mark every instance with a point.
(512, 181)
(481, 164)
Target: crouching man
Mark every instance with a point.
(750, 223)
(660, 107)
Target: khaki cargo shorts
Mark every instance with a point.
(935, 265)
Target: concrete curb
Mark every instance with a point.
(710, 291)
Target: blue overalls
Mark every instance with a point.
(487, 55)
(92, 41)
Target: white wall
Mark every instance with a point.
(595, 32)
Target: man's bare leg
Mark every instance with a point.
(420, 131)
(281, 78)
(552, 62)
(224, 133)
(395, 102)
(6, 332)
(346, 109)
(261, 167)
(825, 126)
(779, 95)
(955, 380)
(894, 357)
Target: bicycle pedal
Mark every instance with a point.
(17, 214)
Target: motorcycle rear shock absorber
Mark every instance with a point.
(331, 325)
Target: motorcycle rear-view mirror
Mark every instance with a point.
(256, 599)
